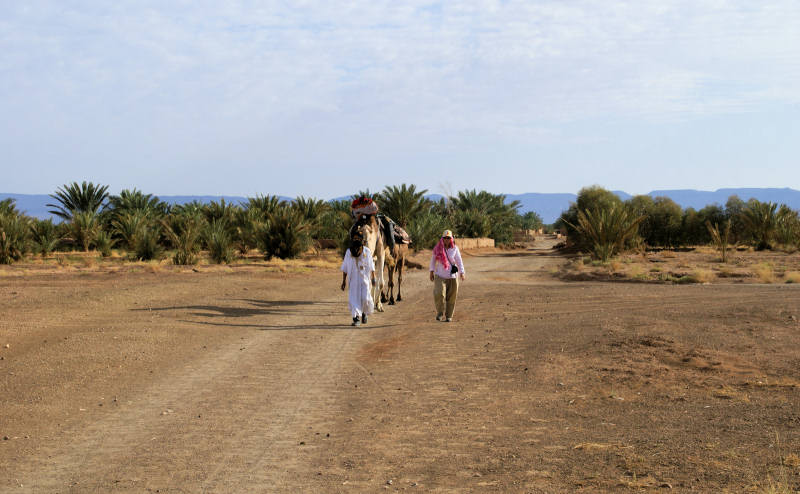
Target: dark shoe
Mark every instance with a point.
(439, 317)
(449, 319)
(363, 319)
(356, 322)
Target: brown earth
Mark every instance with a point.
(246, 379)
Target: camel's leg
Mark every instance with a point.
(379, 281)
(391, 284)
(400, 266)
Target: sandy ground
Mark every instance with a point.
(243, 380)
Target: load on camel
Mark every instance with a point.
(388, 243)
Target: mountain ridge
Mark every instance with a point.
(549, 205)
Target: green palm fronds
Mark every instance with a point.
(136, 200)
(219, 242)
(45, 236)
(403, 203)
(286, 235)
(78, 198)
(761, 220)
(83, 228)
(184, 232)
(14, 231)
(607, 229)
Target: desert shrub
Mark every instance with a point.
(219, 242)
(764, 272)
(426, 229)
(285, 236)
(103, 242)
(792, 277)
(45, 236)
(184, 233)
(82, 229)
(703, 275)
(607, 229)
(14, 236)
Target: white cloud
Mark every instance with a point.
(371, 74)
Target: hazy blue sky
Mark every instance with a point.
(325, 98)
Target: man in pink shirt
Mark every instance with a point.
(446, 269)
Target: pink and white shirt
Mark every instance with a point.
(453, 256)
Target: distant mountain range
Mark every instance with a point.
(548, 205)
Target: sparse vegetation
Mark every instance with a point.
(719, 238)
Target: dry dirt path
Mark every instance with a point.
(244, 381)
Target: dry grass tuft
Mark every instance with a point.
(764, 272)
(792, 277)
(703, 275)
(594, 446)
(637, 272)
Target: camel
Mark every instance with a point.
(395, 262)
(370, 229)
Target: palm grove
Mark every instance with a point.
(146, 228)
(601, 223)
(598, 222)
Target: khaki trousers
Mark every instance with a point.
(445, 292)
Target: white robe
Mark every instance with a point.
(358, 271)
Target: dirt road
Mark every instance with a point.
(239, 380)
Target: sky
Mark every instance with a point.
(326, 98)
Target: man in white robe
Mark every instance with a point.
(360, 268)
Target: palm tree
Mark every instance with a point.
(184, 231)
(265, 205)
(45, 236)
(720, 238)
(761, 220)
(73, 198)
(221, 211)
(502, 216)
(607, 228)
(310, 208)
(403, 203)
(8, 206)
(136, 200)
(286, 235)
(83, 228)
(14, 236)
